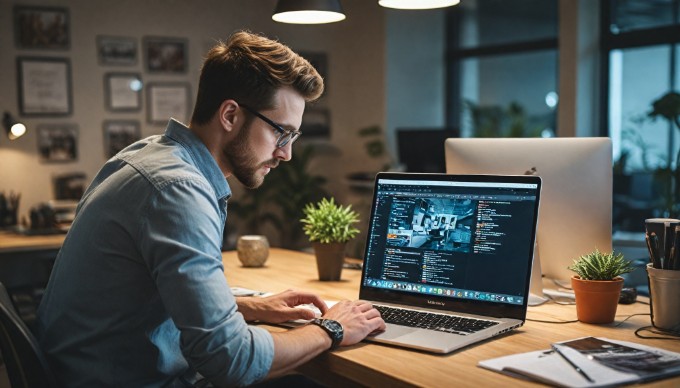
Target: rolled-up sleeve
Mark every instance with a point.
(180, 242)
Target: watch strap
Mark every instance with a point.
(332, 328)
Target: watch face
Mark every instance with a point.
(333, 325)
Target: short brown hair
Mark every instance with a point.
(249, 69)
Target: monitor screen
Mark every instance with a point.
(420, 149)
(575, 215)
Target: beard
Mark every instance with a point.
(243, 160)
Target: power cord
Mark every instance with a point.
(544, 321)
(674, 336)
(576, 320)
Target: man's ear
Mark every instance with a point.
(228, 115)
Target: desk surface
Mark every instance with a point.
(12, 242)
(378, 365)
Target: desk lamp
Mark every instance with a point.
(14, 128)
(308, 11)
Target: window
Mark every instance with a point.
(502, 68)
(641, 65)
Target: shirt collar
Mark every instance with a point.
(202, 158)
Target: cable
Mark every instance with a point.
(574, 321)
(543, 321)
(675, 336)
(629, 317)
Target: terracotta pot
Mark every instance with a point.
(329, 259)
(596, 300)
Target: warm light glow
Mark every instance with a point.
(17, 131)
(417, 4)
(308, 17)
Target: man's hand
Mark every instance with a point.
(358, 319)
(295, 347)
(280, 307)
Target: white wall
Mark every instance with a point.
(356, 82)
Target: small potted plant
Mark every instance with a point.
(329, 227)
(597, 285)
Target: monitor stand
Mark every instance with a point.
(536, 296)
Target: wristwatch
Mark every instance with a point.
(333, 328)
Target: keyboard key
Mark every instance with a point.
(432, 321)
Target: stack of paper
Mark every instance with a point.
(590, 362)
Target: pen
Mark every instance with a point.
(654, 247)
(649, 248)
(667, 244)
(576, 367)
(676, 249)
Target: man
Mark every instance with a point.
(137, 296)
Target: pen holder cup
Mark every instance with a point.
(664, 293)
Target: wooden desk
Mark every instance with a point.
(379, 365)
(13, 242)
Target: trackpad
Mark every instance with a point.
(393, 332)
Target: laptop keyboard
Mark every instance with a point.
(432, 321)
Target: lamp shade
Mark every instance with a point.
(14, 128)
(417, 4)
(308, 11)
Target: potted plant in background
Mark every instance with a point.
(329, 227)
(597, 285)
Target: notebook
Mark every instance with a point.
(448, 257)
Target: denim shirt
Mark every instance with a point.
(137, 296)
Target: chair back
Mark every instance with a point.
(25, 363)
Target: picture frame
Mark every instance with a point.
(116, 50)
(165, 54)
(316, 123)
(38, 27)
(57, 143)
(119, 134)
(166, 100)
(123, 91)
(44, 85)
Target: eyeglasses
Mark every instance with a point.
(285, 135)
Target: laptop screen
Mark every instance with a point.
(451, 238)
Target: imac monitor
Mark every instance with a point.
(575, 214)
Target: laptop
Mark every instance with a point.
(448, 257)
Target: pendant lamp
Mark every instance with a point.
(308, 11)
(417, 4)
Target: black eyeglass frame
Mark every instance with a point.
(285, 135)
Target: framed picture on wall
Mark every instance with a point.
(117, 50)
(166, 100)
(119, 134)
(58, 143)
(123, 91)
(44, 86)
(41, 27)
(165, 55)
(316, 124)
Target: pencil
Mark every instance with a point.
(576, 367)
(654, 243)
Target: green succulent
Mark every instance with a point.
(601, 266)
(328, 222)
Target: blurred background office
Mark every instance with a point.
(482, 68)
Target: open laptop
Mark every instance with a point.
(449, 257)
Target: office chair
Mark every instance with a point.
(25, 363)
